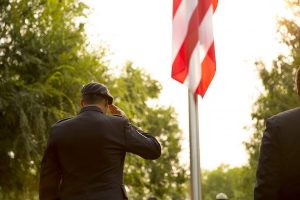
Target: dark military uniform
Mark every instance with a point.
(278, 171)
(85, 156)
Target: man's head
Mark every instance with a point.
(96, 94)
(298, 81)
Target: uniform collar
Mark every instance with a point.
(91, 108)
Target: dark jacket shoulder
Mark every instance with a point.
(62, 121)
(117, 118)
(286, 116)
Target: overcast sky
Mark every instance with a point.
(244, 30)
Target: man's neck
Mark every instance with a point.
(101, 107)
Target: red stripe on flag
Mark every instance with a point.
(176, 4)
(181, 62)
(208, 67)
(179, 69)
(215, 4)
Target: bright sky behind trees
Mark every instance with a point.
(244, 30)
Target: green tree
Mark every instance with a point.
(42, 51)
(279, 92)
(226, 180)
(44, 62)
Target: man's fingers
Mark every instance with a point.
(115, 108)
(112, 108)
(116, 111)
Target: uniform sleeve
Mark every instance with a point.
(269, 164)
(141, 143)
(50, 174)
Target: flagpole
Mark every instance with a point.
(195, 169)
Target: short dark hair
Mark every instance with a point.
(93, 98)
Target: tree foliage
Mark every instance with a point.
(225, 180)
(42, 50)
(44, 62)
(279, 92)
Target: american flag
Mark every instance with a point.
(193, 51)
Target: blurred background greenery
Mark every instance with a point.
(44, 61)
(278, 94)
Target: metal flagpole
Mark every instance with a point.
(194, 148)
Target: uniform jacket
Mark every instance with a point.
(85, 155)
(278, 172)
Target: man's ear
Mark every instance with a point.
(106, 103)
(82, 103)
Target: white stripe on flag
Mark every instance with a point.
(206, 39)
(181, 23)
(194, 74)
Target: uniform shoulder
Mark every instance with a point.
(118, 118)
(286, 115)
(63, 120)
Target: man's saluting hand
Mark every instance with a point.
(114, 110)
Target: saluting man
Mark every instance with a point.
(84, 158)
